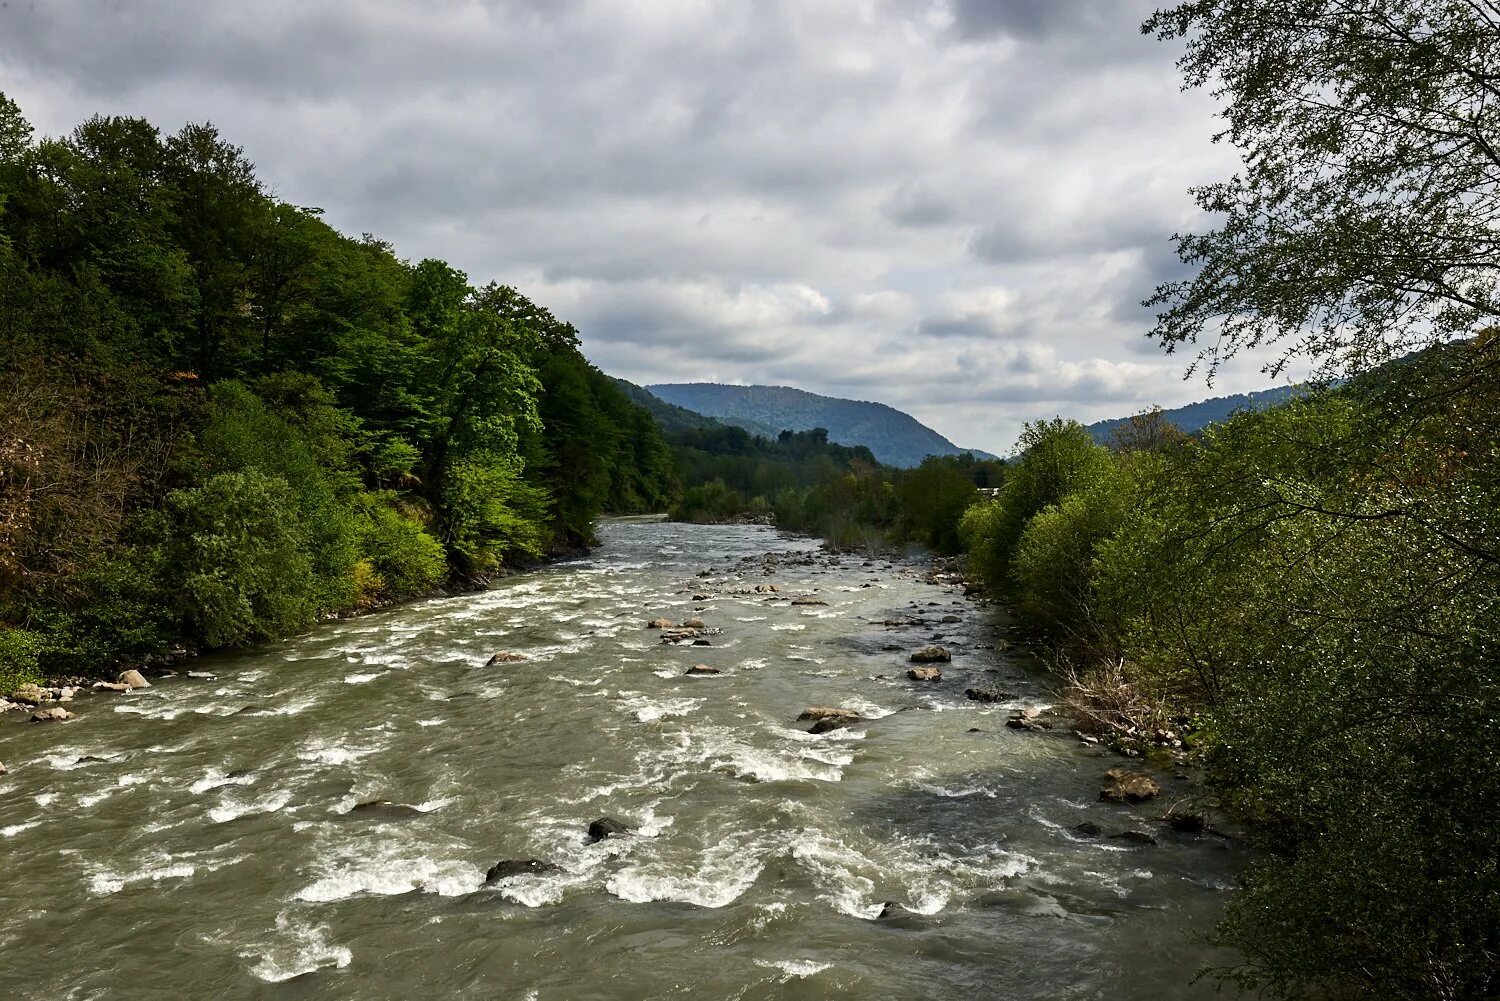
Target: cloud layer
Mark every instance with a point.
(950, 206)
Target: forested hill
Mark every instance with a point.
(670, 417)
(221, 419)
(1197, 416)
(895, 438)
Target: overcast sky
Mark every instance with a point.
(950, 206)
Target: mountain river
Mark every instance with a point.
(317, 821)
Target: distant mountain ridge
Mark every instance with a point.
(896, 438)
(1197, 416)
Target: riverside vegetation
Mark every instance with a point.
(220, 419)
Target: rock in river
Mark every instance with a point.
(989, 693)
(828, 723)
(517, 867)
(133, 678)
(702, 669)
(925, 674)
(1128, 787)
(825, 712)
(54, 715)
(505, 657)
(606, 827)
(661, 624)
(931, 655)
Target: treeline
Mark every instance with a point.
(221, 419)
(801, 482)
(1315, 590)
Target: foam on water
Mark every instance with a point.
(14, 829)
(799, 968)
(216, 777)
(303, 949)
(233, 809)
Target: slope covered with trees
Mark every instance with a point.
(221, 419)
(1195, 417)
(895, 438)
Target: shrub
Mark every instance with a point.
(405, 558)
(241, 551)
(19, 649)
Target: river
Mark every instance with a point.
(214, 838)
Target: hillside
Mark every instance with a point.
(670, 417)
(1197, 416)
(895, 438)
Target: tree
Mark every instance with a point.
(1366, 219)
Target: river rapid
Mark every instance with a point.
(216, 838)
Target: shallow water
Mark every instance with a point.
(216, 851)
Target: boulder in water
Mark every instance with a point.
(1088, 829)
(988, 693)
(54, 715)
(383, 809)
(30, 695)
(893, 911)
(505, 657)
(110, 686)
(701, 642)
(826, 712)
(702, 669)
(766, 589)
(517, 867)
(931, 655)
(1028, 719)
(828, 723)
(1125, 786)
(951, 618)
(692, 624)
(203, 675)
(661, 624)
(606, 827)
(1134, 837)
(925, 674)
(808, 601)
(133, 678)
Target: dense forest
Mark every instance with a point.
(220, 419)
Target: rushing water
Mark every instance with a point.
(204, 839)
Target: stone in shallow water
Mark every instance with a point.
(702, 669)
(1128, 787)
(925, 674)
(517, 867)
(828, 723)
(135, 679)
(505, 657)
(606, 827)
(931, 655)
(987, 693)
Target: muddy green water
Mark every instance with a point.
(202, 839)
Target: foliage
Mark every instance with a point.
(220, 418)
(1363, 222)
(237, 544)
(1057, 458)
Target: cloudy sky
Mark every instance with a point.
(951, 206)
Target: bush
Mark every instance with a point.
(242, 553)
(1057, 459)
(406, 560)
(19, 649)
(707, 503)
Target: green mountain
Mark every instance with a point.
(669, 417)
(1197, 416)
(895, 438)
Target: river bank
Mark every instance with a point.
(336, 800)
